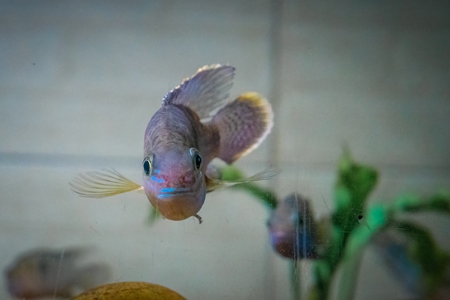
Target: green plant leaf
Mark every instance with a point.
(354, 184)
(433, 261)
(439, 202)
(153, 216)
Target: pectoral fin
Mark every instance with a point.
(214, 184)
(104, 183)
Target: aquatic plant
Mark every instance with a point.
(353, 225)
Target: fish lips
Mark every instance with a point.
(179, 203)
(173, 192)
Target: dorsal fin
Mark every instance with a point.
(204, 92)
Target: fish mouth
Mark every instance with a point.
(173, 192)
(179, 202)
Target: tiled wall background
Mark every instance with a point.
(79, 81)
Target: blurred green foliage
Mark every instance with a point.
(354, 225)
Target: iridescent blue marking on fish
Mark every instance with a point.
(159, 180)
(162, 196)
(168, 190)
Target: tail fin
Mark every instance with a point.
(243, 124)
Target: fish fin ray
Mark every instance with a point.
(215, 184)
(205, 91)
(101, 184)
(243, 125)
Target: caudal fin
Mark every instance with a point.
(243, 124)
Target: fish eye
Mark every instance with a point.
(147, 164)
(196, 158)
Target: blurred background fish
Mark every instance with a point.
(53, 273)
(292, 228)
(196, 123)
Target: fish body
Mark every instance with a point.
(292, 228)
(196, 123)
(52, 273)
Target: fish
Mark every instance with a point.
(53, 273)
(196, 123)
(292, 229)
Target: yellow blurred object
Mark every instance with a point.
(129, 290)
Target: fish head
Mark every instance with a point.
(283, 231)
(35, 275)
(23, 280)
(291, 228)
(174, 182)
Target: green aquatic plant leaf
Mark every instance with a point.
(231, 173)
(432, 260)
(153, 216)
(437, 203)
(354, 184)
(377, 219)
(423, 252)
(380, 216)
